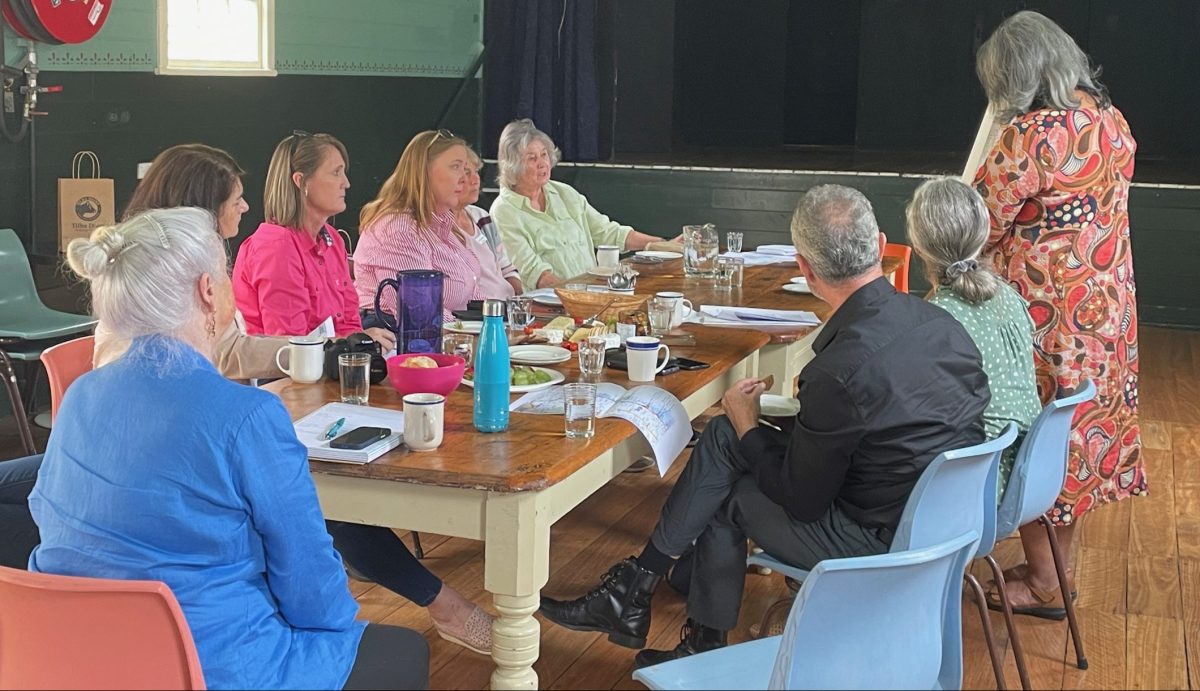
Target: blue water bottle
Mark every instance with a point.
(492, 375)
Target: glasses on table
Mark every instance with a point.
(591, 359)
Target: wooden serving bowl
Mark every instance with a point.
(582, 304)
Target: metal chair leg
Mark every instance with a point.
(417, 551)
(17, 404)
(981, 601)
(1060, 566)
(1013, 636)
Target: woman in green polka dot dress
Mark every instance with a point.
(947, 226)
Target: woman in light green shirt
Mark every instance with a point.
(550, 230)
(947, 226)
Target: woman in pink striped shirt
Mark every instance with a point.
(411, 225)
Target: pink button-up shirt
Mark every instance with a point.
(287, 284)
(394, 243)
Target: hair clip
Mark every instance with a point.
(162, 232)
(112, 258)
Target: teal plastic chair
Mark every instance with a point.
(951, 495)
(862, 623)
(27, 327)
(1038, 474)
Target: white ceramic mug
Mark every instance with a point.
(424, 418)
(608, 256)
(683, 306)
(306, 359)
(641, 357)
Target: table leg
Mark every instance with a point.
(517, 558)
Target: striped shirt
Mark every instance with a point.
(395, 243)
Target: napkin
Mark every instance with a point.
(718, 314)
(760, 259)
(779, 250)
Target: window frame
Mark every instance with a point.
(210, 68)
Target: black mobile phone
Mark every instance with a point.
(688, 363)
(360, 438)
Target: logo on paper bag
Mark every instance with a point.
(87, 208)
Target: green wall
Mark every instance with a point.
(408, 38)
(1164, 219)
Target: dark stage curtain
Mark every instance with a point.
(541, 65)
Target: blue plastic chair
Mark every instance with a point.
(1037, 478)
(862, 623)
(951, 495)
(27, 327)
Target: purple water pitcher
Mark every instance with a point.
(418, 324)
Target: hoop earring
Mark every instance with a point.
(210, 324)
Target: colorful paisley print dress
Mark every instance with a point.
(1057, 188)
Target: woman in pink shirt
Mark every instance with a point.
(411, 225)
(292, 273)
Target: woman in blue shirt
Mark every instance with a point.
(160, 468)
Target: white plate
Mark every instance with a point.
(778, 406)
(801, 288)
(660, 254)
(799, 279)
(556, 377)
(538, 354)
(551, 299)
(602, 271)
(465, 328)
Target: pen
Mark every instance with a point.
(333, 429)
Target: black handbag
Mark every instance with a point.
(355, 343)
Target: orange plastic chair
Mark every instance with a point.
(66, 632)
(65, 363)
(904, 254)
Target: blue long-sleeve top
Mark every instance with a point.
(159, 468)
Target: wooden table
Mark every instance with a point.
(762, 286)
(508, 488)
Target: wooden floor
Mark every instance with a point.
(1138, 570)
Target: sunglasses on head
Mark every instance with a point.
(297, 135)
(441, 133)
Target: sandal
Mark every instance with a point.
(1044, 609)
(476, 634)
(1020, 572)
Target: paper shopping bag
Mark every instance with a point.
(84, 203)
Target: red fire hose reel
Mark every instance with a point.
(56, 21)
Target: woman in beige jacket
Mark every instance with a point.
(207, 178)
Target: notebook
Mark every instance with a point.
(311, 430)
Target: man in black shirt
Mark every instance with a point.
(895, 382)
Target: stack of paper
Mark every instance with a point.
(719, 315)
(766, 254)
(311, 429)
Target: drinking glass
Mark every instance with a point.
(354, 370)
(726, 271)
(581, 287)
(579, 410)
(737, 268)
(733, 241)
(519, 314)
(591, 359)
(662, 314)
(462, 345)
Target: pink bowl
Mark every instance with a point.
(442, 380)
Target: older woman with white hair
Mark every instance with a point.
(161, 469)
(947, 226)
(1056, 185)
(550, 229)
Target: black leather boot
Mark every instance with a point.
(619, 606)
(693, 638)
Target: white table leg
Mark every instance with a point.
(785, 362)
(517, 558)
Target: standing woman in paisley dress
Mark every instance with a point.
(1056, 184)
